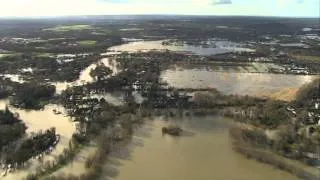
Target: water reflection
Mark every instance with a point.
(221, 47)
(232, 82)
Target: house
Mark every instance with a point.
(314, 158)
(292, 110)
(299, 70)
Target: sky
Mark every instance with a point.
(39, 8)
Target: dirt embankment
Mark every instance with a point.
(286, 94)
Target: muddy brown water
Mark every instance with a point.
(253, 84)
(41, 120)
(204, 153)
(222, 47)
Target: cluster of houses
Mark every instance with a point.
(293, 69)
(310, 124)
(313, 117)
(292, 111)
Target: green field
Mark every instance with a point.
(44, 54)
(87, 43)
(8, 54)
(3, 55)
(69, 28)
(57, 39)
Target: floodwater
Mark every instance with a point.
(37, 120)
(221, 48)
(204, 153)
(255, 84)
(77, 166)
(41, 120)
(85, 77)
(14, 77)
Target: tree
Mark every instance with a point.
(308, 93)
(31, 95)
(101, 72)
(273, 114)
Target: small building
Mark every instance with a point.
(292, 110)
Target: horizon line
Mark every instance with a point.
(167, 14)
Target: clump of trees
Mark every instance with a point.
(214, 98)
(253, 136)
(7, 117)
(4, 90)
(273, 159)
(4, 93)
(66, 156)
(308, 93)
(32, 95)
(11, 128)
(273, 114)
(6, 87)
(101, 72)
(32, 146)
(270, 114)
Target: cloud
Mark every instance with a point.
(221, 2)
(32, 8)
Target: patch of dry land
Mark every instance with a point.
(285, 94)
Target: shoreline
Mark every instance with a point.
(273, 160)
(263, 155)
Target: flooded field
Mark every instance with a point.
(85, 77)
(37, 120)
(222, 47)
(257, 84)
(78, 163)
(242, 67)
(158, 63)
(41, 120)
(204, 153)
